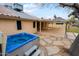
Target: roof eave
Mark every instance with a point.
(15, 18)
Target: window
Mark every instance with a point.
(19, 27)
(34, 24)
(59, 23)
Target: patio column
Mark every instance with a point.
(47, 25)
(40, 26)
(52, 24)
(36, 25)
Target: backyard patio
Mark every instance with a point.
(54, 42)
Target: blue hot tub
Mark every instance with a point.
(17, 40)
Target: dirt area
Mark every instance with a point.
(54, 42)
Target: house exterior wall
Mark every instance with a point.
(8, 26)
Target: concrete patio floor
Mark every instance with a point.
(54, 42)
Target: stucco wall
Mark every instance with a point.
(10, 27)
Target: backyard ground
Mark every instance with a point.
(54, 42)
(73, 29)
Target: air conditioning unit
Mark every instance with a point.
(17, 7)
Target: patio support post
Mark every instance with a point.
(66, 30)
(36, 24)
(44, 25)
(52, 24)
(47, 25)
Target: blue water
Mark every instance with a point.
(17, 40)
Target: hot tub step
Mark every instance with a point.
(31, 51)
(37, 53)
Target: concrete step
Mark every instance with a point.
(27, 53)
(37, 53)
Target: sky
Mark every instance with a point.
(47, 11)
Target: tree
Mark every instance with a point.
(74, 6)
(72, 19)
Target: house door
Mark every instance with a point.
(42, 25)
(38, 26)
